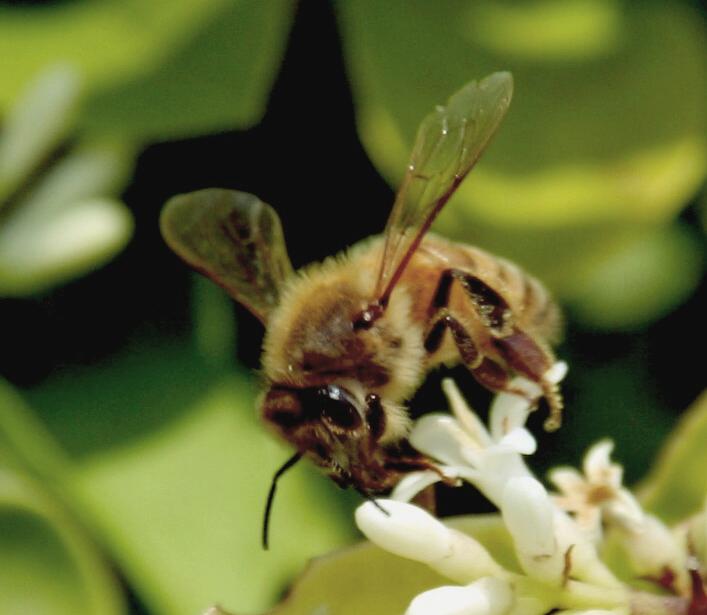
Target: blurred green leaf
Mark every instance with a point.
(640, 280)
(173, 467)
(65, 226)
(677, 484)
(214, 320)
(153, 70)
(38, 120)
(47, 565)
(108, 41)
(366, 579)
(24, 441)
(606, 130)
(218, 80)
(612, 391)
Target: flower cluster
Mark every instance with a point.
(559, 540)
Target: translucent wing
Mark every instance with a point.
(449, 142)
(233, 238)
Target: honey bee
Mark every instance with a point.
(349, 340)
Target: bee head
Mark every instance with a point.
(330, 424)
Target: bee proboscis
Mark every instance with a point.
(349, 340)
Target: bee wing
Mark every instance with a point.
(233, 238)
(449, 142)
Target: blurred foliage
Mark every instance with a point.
(602, 147)
(152, 70)
(675, 487)
(49, 564)
(66, 222)
(151, 468)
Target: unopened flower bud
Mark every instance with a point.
(652, 548)
(405, 530)
(486, 596)
(411, 532)
(528, 514)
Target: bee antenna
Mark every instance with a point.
(373, 501)
(271, 495)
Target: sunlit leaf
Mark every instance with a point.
(366, 579)
(106, 40)
(152, 70)
(214, 320)
(677, 484)
(47, 565)
(24, 441)
(41, 116)
(639, 281)
(219, 79)
(173, 467)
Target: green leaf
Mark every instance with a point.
(638, 281)
(677, 485)
(39, 119)
(366, 579)
(46, 563)
(173, 467)
(156, 70)
(219, 79)
(214, 321)
(107, 41)
(66, 225)
(606, 130)
(24, 441)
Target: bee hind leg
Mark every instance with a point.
(532, 359)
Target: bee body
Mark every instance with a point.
(348, 341)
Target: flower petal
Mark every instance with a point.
(568, 480)
(528, 514)
(412, 484)
(467, 418)
(597, 461)
(483, 597)
(441, 437)
(509, 411)
(625, 510)
(405, 530)
(520, 440)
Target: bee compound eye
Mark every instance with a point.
(338, 407)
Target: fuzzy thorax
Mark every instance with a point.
(311, 340)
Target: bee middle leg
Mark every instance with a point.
(522, 353)
(485, 370)
(491, 308)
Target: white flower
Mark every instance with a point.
(487, 458)
(529, 516)
(486, 596)
(555, 538)
(410, 531)
(598, 494)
